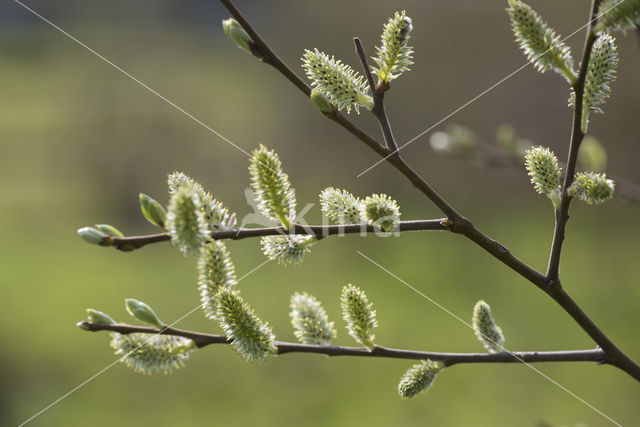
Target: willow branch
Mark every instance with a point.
(562, 213)
(130, 243)
(378, 109)
(263, 52)
(461, 225)
(448, 359)
(615, 355)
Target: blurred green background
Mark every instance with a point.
(79, 141)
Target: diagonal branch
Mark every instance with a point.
(448, 359)
(461, 225)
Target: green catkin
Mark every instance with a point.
(250, 336)
(419, 378)
(485, 328)
(310, 321)
(380, 210)
(394, 54)
(359, 315)
(340, 83)
(592, 188)
(340, 206)
(539, 42)
(215, 271)
(271, 188)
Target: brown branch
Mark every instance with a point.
(378, 109)
(615, 356)
(562, 213)
(459, 224)
(448, 359)
(131, 243)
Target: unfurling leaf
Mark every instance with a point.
(250, 336)
(359, 315)
(152, 210)
(600, 74)
(344, 86)
(340, 206)
(143, 312)
(592, 188)
(99, 317)
(215, 271)
(380, 210)
(488, 333)
(109, 230)
(394, 53)
(539, 42)
(310, 321)
(618, 15)
(287, 249)
(237, 34)
(271, 187)
(152, 353)
(419, 378)
(321, 102)
(186, 221)
(93, 235)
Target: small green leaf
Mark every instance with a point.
(109, 230)
(237, 34)
(143, 312)
(99, 317)
(93, 235)
(321, 102)
(152, 211)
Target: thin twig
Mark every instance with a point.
(448, 359)
(365, 64)
(562, 213)
(130, 243)
(378, 109)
